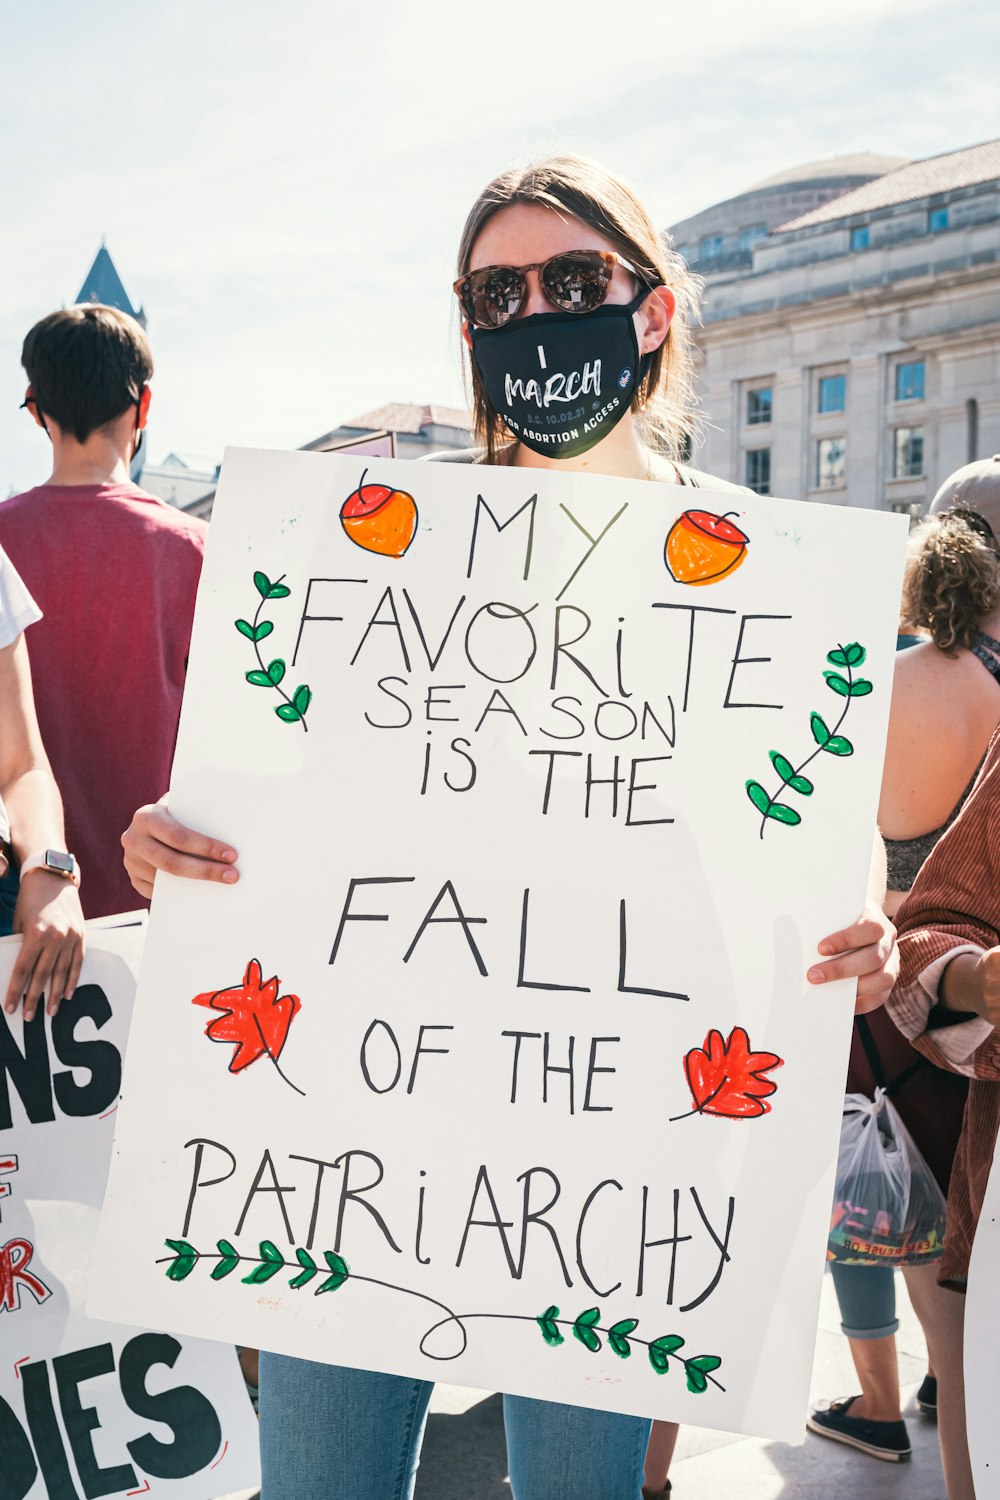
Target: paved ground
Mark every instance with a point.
(463, 1457)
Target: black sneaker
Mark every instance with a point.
(888, 1440)
(927, 1396)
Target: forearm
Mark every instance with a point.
(27, 785)
(969, 985)
(35, 811)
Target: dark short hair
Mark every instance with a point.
(87, 365)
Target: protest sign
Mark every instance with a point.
(88, 1408)
(982, 1344)
(499, 1065)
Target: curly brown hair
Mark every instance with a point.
(952, 578)
(664, 404)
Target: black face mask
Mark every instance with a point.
(561, 381)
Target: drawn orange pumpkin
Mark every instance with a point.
(703, 547)
(379, 518)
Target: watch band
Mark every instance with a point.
(53, 862)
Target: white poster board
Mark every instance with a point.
(982, 1345)
(87, 1407)
(475, 1074)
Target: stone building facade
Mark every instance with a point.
(851, 354)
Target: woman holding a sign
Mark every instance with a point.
(563, 282)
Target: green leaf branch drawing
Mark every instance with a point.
(621, 1336)
(841, 680)
(269, 1261)
(292, 710)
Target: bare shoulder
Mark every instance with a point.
(944, 710)
(926, 678)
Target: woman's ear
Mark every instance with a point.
(657, 311)
(465, 332)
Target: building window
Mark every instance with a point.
(759, 406)
(910, 381)
(832, 389)
(759, 470)
(937, 220)
(710, 247)
(750, 234)
(908, 453)
(830, 463)
(860, 238)
(971, 429)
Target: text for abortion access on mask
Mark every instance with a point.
(498, 1065)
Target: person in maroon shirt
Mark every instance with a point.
(115, 572)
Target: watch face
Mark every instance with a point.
(56, 860)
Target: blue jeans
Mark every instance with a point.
(867, 1298)
(331, 1433)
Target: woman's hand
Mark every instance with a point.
(49, 918)
(971, 983)
(866, 951)
(156, 841)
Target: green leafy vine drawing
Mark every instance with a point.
(292, 710)
(269, 1261)
(621, 1336)
(842, 659)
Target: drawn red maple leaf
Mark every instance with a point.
(727, 1079)
(253, 1016)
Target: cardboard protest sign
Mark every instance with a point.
(86, 1407)
(499, 1065)
(982, 1345)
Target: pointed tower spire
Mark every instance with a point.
(102, 283)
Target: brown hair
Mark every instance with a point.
(664, 403)
(87, 365)
(952, 578)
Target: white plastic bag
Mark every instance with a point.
(888, 1208)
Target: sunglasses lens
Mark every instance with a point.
(493, 296)
(578, 281)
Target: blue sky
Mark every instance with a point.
(283, 188)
